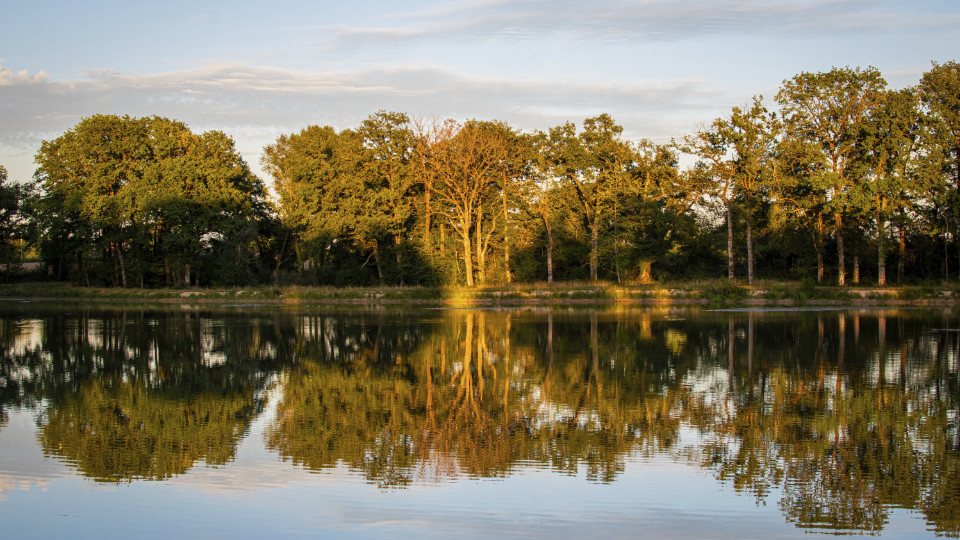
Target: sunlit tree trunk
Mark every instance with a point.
(881, 252)
(506, 231)
(467, 258)
(478, 240)
(749, 244)
(841, 266)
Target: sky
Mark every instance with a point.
(661, 68)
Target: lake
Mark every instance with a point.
(247, 421)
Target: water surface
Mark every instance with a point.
(239, 422)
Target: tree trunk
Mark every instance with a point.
(946, 253)
(186, 274)
(283, 248)
(376, 260)
(881, 253)
(467, 258)
(856, 269)
(549, 229)
(903, 253)
(443, 240)
(506, 232)
(123, 268)
(819, 266)
(426, 222)
(116, 270)
(83, 270)
(594, 237)
(817, 235)
(841, 265)
(749, 247)
(481, 263)
(397, 254)
(730, 241)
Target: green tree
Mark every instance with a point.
(316, 176)
(828, 110)
(753, 134)
(389, 190)
(18, 203)
(717, 169)
(596, 164)
(892, 184)
(540, 194)
(799, 202)
(939, 91)
(124, 195)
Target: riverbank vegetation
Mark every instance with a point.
(839, 180)
(711, 293)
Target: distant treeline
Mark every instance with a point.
(841, 180)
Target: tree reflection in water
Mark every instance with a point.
(838, 416)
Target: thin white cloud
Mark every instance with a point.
(639, 21)
(256, 104)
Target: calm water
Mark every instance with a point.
(252, 422)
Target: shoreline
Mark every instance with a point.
(708, 294)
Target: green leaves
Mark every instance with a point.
(147, 191)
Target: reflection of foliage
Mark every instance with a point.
(471, 399)
(138, 394)
(114, 430)
(843, 454)
(838, 440)
(839, 417)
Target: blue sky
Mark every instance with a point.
(255, 70)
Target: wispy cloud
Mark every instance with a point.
(256, 104)
(639, 20)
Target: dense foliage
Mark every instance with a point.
(845, 177)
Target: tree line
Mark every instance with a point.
(840, 175)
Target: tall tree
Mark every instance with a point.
(799, 200)
(753, 133)
(540, 193)
(888, 155)
(314, 173)
(469, 171)
(940, 94)
(596, 163)
(717, 168)
(389, 187)
(828, 109)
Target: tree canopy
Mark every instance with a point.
(838, 168)
(144, 200)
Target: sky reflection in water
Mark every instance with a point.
(371, 423)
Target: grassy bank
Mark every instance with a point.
(716, 292)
